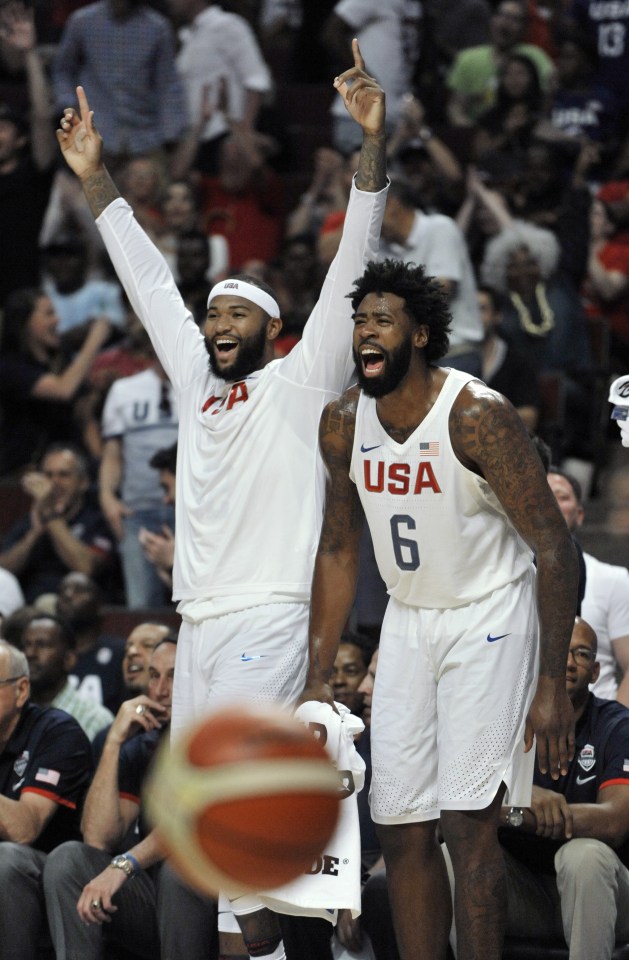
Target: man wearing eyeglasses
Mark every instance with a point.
(567, 855)
(45, 769)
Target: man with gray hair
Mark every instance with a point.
(45, 769)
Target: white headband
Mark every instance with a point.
(247, 290)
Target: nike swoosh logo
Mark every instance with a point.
(364, 449)
(582, 780)
(491, 639)
(245, 658)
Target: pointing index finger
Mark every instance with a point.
(84, 108)
(358, 57)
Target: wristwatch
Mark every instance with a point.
(126, 863)
(515, 817)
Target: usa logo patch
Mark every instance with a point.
(587, 758)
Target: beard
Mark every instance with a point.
(250, 353)
(396, 364)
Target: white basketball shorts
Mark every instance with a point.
(254, 656)
(451, 695)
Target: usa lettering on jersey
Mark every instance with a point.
(399, 478)
(237, 394)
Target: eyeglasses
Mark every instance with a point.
(3, 683)
(582, 656)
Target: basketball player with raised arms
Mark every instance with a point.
(457, 504)
(249, 478)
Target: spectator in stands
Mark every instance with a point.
(605, 603)
(504, 368)
(137, 655)
(159, 548)
(219, 58)
(435, 241)
(472, 79)
(27, 152)
(543, 316)
(552, 192)
(141, 184)
(605, 27)
(180, 210)
(389, 37)
(424, 160)
(112, 47)
(348, 672)
(567, 855)
(579, 106)
(64, 530)
(90, 898)
(49, 645)
(37, 386)
(506, 128)
(45, 768)
(139, 418)
(130, 355)
(97, 673)
(77, 299)
(606, 284)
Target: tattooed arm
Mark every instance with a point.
(489, 438)
(336, 565)
(82, 148)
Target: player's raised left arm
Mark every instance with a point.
(336, 565)
(490, 439)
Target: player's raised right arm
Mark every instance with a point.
(82, 148)
(336, 565)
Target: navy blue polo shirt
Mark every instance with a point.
(601, 759)
(49, 754)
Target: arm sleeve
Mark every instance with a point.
(323, 357)
(153, 294)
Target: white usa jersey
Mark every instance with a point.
(440, 535)
(249, 477)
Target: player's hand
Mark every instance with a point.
(551, 722)
(80, 141)
(363, 96)
(95, 903)
(317, 690)
(348, 931)
(553, 814)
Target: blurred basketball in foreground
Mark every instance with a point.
(244, 801)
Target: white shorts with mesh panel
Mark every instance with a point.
(255, 656)
(452, 691)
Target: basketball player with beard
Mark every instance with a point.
(249, 477)
(457, 504)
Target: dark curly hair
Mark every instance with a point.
(425, 301)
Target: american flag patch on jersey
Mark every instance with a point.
(48, 776)
(430, 449)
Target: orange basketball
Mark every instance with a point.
(244, 801)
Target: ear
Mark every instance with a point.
(273, 328)
(69, 661)
(421, 336)
(580, 516)
(596, 669)
(22, 691)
